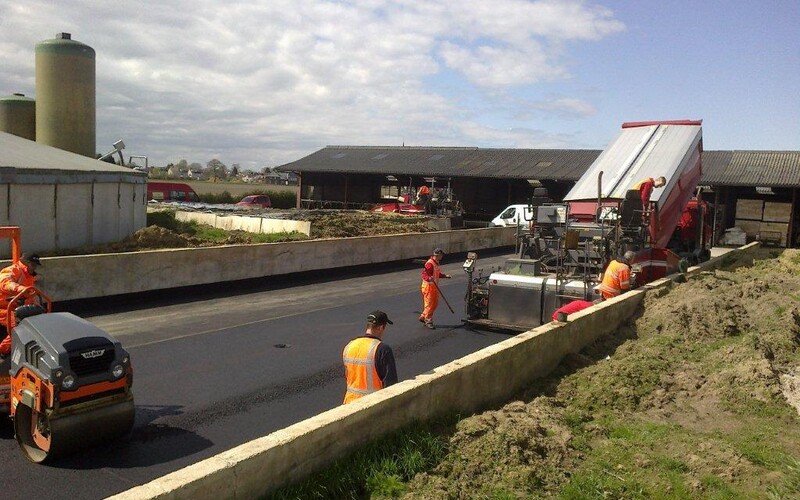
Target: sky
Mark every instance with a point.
(261, 84)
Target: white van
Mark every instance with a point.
(512, 215)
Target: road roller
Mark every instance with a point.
(66, 383)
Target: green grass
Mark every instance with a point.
(280, 199)
(167, 220)
(381, 468)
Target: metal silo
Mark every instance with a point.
(65, 95)
(18, 116)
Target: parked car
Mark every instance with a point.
(255, 201)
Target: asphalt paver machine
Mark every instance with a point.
(563, 255)
(66, 383)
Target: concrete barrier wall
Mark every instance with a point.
(255, 468)
(102, 275)
(255, 224)
(246, 223)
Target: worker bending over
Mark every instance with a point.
(430, 287)
(368, 361)
(14, 279)
(645, 188)
(617, 278)
(571, 308)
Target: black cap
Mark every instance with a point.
(438, 251)
(34, 258)
(378, 317)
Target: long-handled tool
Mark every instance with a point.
(443, 297)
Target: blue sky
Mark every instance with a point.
(265, 83)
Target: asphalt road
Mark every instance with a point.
(217, 368)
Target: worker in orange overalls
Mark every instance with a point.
(368, 361)
(14, 279)
(617, 278)
(424, 198)
(430, 287)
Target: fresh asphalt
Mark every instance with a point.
(215, 367)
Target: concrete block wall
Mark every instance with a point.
(87, 276)
(71, 215)
(255, 468)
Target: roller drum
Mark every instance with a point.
(43, 437)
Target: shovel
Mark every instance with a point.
(443, 297)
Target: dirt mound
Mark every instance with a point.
(158, 237)
(692, 398)
(346, 223)
(523, 445)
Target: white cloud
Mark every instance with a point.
(263, 82)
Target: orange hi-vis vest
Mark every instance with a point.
(616, 279)
(435, 275)
(359, 365)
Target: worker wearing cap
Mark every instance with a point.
(430, 287)
(13, 280)
(617, 278)
(645, 188)
(368, 361)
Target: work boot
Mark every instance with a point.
(429, 324)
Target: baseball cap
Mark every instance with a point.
(378, 317)
(438, 251)
(34, 258)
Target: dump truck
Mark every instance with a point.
(564, 254)
(66, 383)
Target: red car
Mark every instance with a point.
(255, 201)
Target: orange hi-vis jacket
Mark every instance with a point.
(616, 279)
(359, 365)
(12, 280)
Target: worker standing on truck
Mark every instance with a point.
(617, 278)
(430, 287)
(14, 279)
(368, 361)
(645, 188)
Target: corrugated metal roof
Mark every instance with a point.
(720, 168)
(752, 168)
(22, 154)
(561, 164)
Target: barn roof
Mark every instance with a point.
(720, 168)
(22, 160)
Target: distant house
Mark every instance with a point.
(176, 172)
(196, 174)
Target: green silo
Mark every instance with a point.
(18, 116)
(65, 95)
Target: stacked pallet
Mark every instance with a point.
(764, 221)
